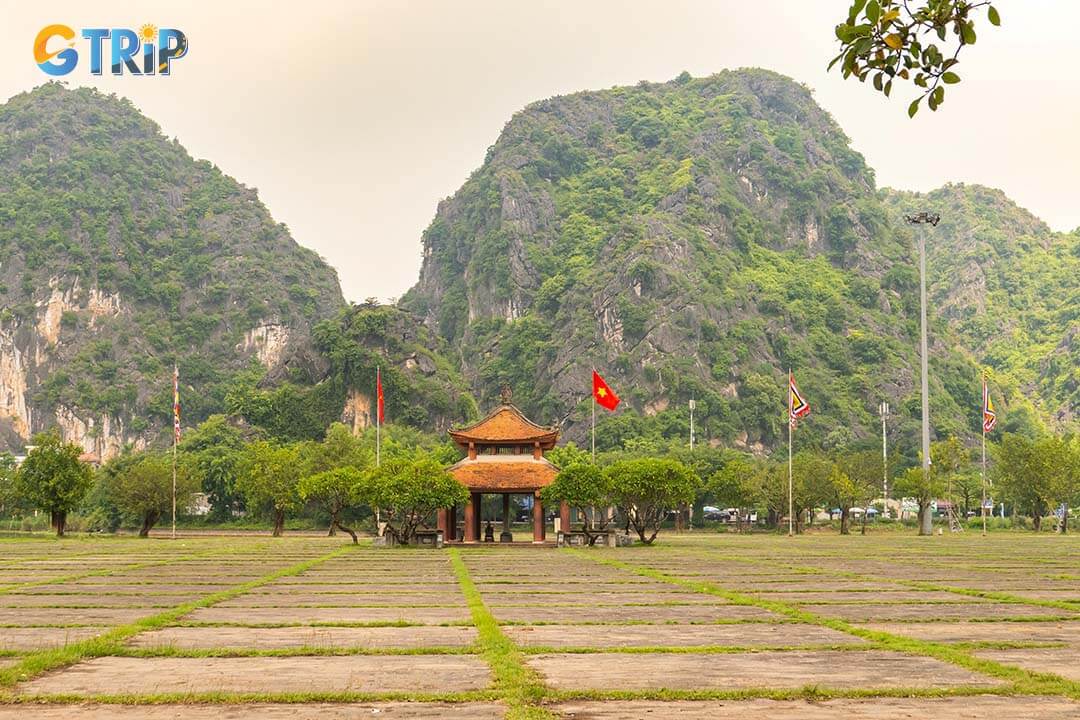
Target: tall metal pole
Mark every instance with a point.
(982, 478)
(692, 403)
(884, 410)
(790, 482)
(921, 219)
(175, 438)
(592, 405)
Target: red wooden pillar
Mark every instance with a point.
(451, 516)
(471, 517)
(538, 519)
(443, 522)
(564, 516)
(477, 514)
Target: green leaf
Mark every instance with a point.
(888, 88)
(913, 108)
(877, 82)
(873, 11)
(950, 78)
(993, 16)
(856, 8)
(967, 33)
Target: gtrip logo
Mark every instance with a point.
(148, 51)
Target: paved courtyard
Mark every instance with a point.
(701, 626)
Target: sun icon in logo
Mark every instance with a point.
(148, 33)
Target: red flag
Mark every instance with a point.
(604, 396)
(378, 393)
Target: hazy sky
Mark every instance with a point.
(353, 119)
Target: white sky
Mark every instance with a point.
(354, 118)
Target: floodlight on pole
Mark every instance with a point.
(923, 219)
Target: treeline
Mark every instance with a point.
(241, 474)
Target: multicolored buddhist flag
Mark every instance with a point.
(176, 404)
(798, 408)
(989, 416)
(379, 395)
(604, 396)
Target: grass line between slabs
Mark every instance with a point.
(110, 642)
(1023, 681)
(517, 685)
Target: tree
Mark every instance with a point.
(924, 487)
(9, 498)
(141, 485)
(335, 490)
(1025, 472)
(646, 489)
(864, 469)
(893, 40)
(211, 453)
(325, 478)
(844, 492)
(949, 457)
(408, 488)
(812, 473)
(53, 479)
(268, 477)
(736, 483)
(583, 486)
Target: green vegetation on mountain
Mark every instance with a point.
(1009, 290)
(120, 255)
(692, 240)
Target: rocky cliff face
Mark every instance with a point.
(692, 240)
(121, 255)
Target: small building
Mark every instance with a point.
(504, 456)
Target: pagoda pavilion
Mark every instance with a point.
(505, 456)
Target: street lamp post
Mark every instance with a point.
(883, 409)
(922, 220)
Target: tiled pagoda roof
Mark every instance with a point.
(506, 426)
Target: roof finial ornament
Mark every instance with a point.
(506, 394)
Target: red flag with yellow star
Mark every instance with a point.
(604, 396)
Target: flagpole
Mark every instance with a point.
(378, 419)
(593, 403)
(982, 510)
(790, 482)
(176, 400)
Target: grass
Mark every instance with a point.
(705, 564)
(1021, 681)
(517, 685)
(111, 642)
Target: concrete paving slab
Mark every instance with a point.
(262, 711)
(191, 638)
(1066, 632)
(635, 613)
(357, 673)
(655, 671)
(1060, 661)
(736, 635)
(255, 616)
(44, 638)
(959, 708)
